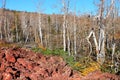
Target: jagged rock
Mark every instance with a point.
(7, 76)
(22, 64)
(10, 56)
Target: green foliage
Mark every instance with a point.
(107, 68)
(85, 64)
(70, 60)
(36, 49)
(50, 52)
(59, 52)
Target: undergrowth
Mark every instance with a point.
(85, 65)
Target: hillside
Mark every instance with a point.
(24, 27)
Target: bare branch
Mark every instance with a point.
(3, 4)
(111, 8)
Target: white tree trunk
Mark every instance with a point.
(1, 28)
(101, 46)
(40, 29)
(3, 19)
(92, 33)
(64, 26)
(75, 50)
(113, 52)
(68, 39)
(27, 36)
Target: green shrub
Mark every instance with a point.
(59, 52)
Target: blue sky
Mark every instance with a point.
(50, 6)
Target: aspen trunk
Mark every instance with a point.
(64, 26)
(16, 25)
(68, 42)
(40, 30)
(101, 46)
(113, 52)
(3, 18)
(75, 50)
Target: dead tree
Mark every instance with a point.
(40, 29)
(100, 46)
(16, 26)
(64, 24)
(40, 24)
(75, 43)
(2, 21)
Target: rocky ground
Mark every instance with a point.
(22, 64)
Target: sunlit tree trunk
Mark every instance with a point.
(27, 36)
(68, 42)
(75, 50)
(40, 29)
(24, 26)
(40, 33)
(3, 18)
(16, 27)
(100, 47)
(64, 25)
(1, 28)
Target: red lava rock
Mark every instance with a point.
(9, 70)
(41, 71)
(10, 57)
(21, 61)
(1, 56)
(98, 75)
(34, 76)
(7, 76)
(0, 76)
(2, 67)
(67, 71)
(21, 64)
(25, 63)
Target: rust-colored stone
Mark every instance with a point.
(7, 76)
(2, 67)
(22, 64)
(10, 57)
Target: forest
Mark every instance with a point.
(85, 40)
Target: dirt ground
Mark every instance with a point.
(22, 64)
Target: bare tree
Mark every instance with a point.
(64, 25)
(16, 26)
(40, 23)
(100, 46)
(75, 49)
(2, 21)
(65, 4)
(25, 26)
(101, 41)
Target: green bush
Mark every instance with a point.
(59, 52)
